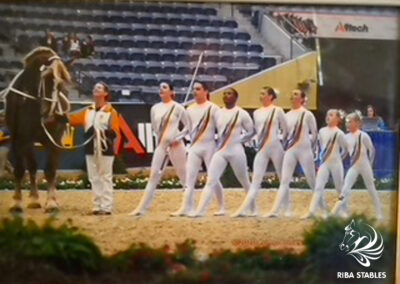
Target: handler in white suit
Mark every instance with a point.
(101, 125)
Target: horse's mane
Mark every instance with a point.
(37, 52)
(59, 68)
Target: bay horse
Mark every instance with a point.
(32, 101)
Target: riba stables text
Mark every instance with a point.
(361, 275)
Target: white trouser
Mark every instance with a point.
(364, 168)
(196, 155)
(297, 153)
(273, 152)
(333, 167)
(100, 176)
(236, 157)
(177, 155)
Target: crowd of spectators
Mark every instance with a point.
(71, 46)
(302, 29)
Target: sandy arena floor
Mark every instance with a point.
(117, 232)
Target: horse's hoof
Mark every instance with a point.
(51, 206)
(34, 205)
(52, 209)
(16, 209)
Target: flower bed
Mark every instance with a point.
(139, 182)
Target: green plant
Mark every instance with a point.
(62, 246)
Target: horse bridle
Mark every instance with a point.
(55, 100)
(57, 96)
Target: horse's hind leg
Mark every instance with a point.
(19, 172)
(32, 168)
(50, 174)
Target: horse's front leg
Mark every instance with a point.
(19, 171)
(32, 168)
(50, 174)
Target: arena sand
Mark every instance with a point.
(115, 233)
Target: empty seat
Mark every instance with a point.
(211, 68)
(227, 33)
(127, 68)
(255, 48)
(150, 80)
(137, 80)
(211, 56)
(242, 36)
(184, 31)
(163, 78)
(168, 67)
(219, 81)
(171, 43)
(183, 68)
(178, 80)
(139, 66)
(154, 67)
(169, 31)
(141, 41)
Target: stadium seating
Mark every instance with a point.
(138, 45)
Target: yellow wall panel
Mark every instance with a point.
(285, 77)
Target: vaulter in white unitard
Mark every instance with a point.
(362, 154)
(270, 124)
(333, 148)
(299, 148)
(234, 126)
(165, 119)
(202, 115)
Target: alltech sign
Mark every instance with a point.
(350, 28)
(348, 25)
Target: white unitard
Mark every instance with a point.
(234, 127)
(270, 123)
(362, 154)
(301, 123)
(165, 119)
(333, 147)
(202, 148)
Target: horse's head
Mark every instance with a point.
(53, 77)
(350, 237)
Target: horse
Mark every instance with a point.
(362, 246)
(32, 101)
(351, 237)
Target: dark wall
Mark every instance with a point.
(361, 72)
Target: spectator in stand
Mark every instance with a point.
(50, 41)
(372, 121)
(87, 48)
(66, 44)
(75, 47)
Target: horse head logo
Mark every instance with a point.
(362, 246)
